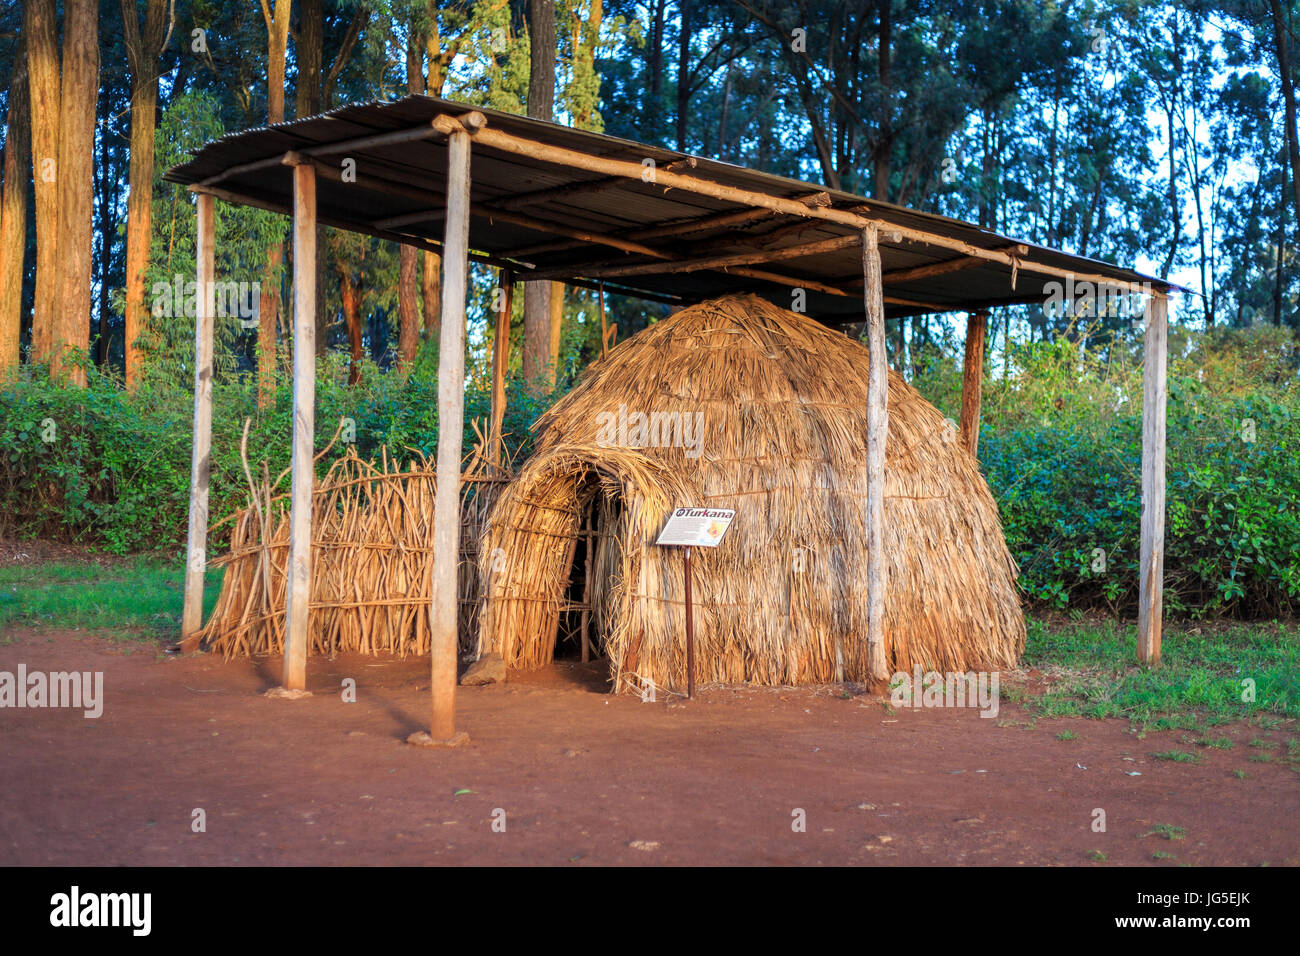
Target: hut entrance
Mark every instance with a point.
(593, 551)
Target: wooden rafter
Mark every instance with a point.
(553, 193)
(717, 262)
(558, 155)
(712, 221)
(419, 242)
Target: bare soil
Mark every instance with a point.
(581, 777)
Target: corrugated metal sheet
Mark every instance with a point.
(419, 168)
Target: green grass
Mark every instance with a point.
(1094, 673)
(1178, 756)
(1166, 830)
(139, 598)
(1067, 735)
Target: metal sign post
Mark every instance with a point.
(691, 528)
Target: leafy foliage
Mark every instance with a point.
(1061, 447)
(108, 467)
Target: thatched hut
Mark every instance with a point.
(736, 403)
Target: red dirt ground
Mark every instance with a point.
(590, 779)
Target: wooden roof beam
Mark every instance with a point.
(702, 224)
(513, 203)
(481, 211)
(944, 267)
(412, 135)
(524, 200)
(419, 242)
(797, 282)
(558, 155)
(715, 262)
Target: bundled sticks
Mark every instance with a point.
(372, 533)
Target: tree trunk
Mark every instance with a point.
(431, 278)
(557, 325)
(408, 305)
(307, 48)
(143, 50)
(537, 332)
(277, 42)
(13, 215)
(107, 191)
(1175, 214)
(655, 66)
(885, 136)
(277, 45)
(683, 72)
(541, 105)
(268, 314)
(42, 30)
(1288, 96)
(350, 292)
(431, 284)
(585, 53)
(542, 50)
(1277, 252)
(79, 96)
(408, 281)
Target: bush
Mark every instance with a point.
(109, 468)
(1061, 448)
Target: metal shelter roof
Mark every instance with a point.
(652, 234)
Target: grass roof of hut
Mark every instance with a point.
(737, 403)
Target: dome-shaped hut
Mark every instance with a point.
(736, 403)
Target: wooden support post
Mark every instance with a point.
(604, 322)
(451, 411)
(1154, 362)
(196, 561)
(690, 630)
(972, 380)
(877, 429)
(298, 591)
(587, 610)
(500, 365)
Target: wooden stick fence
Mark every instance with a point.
(372, 561)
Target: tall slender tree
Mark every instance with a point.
(541, 105)
(13, 215)
(143, 48)
(408, 282)
(276, 14)
(42, 35)
(1287, 81)
(78, 95)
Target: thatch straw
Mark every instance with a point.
(784, 443)
(372, 562)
